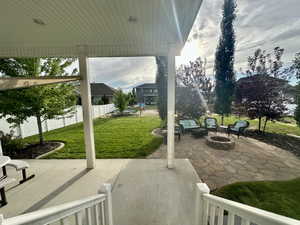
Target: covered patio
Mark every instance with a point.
(143, 190)
(85, 29)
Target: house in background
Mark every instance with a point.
(101, 91)
(100, 94)
(147, 93)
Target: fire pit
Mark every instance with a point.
(220, 142)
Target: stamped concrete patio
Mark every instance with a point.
(250, 160)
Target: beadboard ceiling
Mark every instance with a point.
(94, 27)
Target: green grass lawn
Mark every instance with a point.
(122, 137)
(272, 127)
(281, 197)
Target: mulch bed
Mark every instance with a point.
(34, 150)
(288, 143)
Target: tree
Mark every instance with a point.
(224, 61)
(131, 97)
(120, 100)
(162, 85)
(295, 68)
(263, 92)
(43, 102)
(194, 89)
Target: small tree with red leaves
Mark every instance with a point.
(262, 94)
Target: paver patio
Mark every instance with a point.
(250, 160)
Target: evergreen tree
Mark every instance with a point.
(296, 69)
(162, 85)
(224, 61)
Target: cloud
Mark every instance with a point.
(260, 24)
(123, 72)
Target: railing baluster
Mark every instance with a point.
(245, 221)
(205, 211)
(230, 218)
(102, 213)
(88, 216)
(96, 214)
(64, 221)
(78, 218)
(212, 214)
(220, 215)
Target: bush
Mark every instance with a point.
(10, 145)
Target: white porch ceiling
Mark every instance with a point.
(102, 26)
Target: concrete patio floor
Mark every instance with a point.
(139, 187)
(250, 160)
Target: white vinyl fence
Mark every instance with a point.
(30, 127)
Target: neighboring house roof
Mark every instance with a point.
(147, 85)
(101, 89)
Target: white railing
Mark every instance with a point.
(94, 210)
(213, 210)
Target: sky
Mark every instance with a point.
(261, 24)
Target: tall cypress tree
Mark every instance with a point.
(162, 83)
(224, 61)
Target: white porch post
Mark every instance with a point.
(85, 90)
(171, 110)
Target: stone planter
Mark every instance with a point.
(220, 142)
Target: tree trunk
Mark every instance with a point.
(259, 124)
(265, 125)
(39, 123)
(222, 119)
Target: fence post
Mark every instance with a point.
(106, 189)
(46, 125)
(201, 189)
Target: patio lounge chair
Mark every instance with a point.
(238, 127)
(211, 123)
(19, 165)
(4, 181)
(188, 125)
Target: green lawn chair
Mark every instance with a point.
(211, 123)
(238, 127)
(188, 125)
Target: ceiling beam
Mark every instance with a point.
(7, 83)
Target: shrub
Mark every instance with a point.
(10, 145)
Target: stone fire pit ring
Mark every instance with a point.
(220, 142)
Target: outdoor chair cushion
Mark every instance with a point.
(188, 124)
(239, 124)
(210, 123)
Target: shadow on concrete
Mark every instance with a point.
(57, 191)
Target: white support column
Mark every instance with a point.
(85, 90)
(171, 110)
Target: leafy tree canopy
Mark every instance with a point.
(44, 102)
(194, 89)
(120, 100)
(263, 92)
